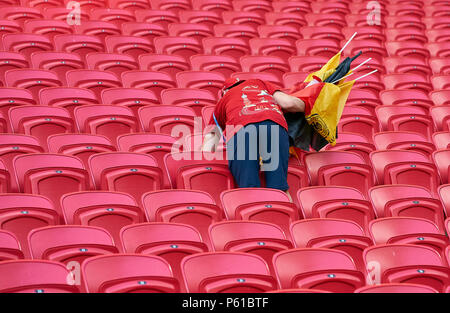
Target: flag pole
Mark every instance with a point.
(346, 44)
(354, 73)
(361, 64)
(366, 75)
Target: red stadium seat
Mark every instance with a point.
(258, 75)
(145, 30)
(405, 118)
(370, 48)
(168, 63)
(364, 33)
(435, 22)
(257, 6)
(442, 160)
(410, 34)
(159, 17)
(128, 273)
(106, 209)
(107, 120)
(411, 49)
(408, 263)
(314, 268)
(263, 239)
(182, 46)
(292, 79)
(339, 168)
(272, 47)
(396, 288)
(404, 141)
(223, 64)
(171, 5)
(153, 81)
(440, 66)
(9, 26)
(211, 81)
(80, 44)
(194, 98)
(171, 241)
(219, 272)
(326, 19)
(407, 201)
(32, 80)
(9, 247)
(67, 97)
(10, 61)
(415, 98)
(50, 175)
(204, 17)
(40, 121)
(93, 79)
(405, 21)
(48, 28)
(168, 119)
(20, 213)
(99, 29)
(330, 233)
(58, 62)
(440, 97)
(116, 16)
(335, 202)
(441, 82)
(217, 6)
(266, 64)
(317, 47)
(91, 4)
(129, 4)
(292, 6)
(116, 63)
(20, 14)
(307, 63)
(21, 276)
(332, 7)
(322, 32)
(191, 207)
(235, 47)
(407, 64)
(243, 18)
(5, 178)
(372, 83)
(408, 230)
(260, 204)
(279, 32)
(12, 145)
(353, 143)
(445, 199)
(61, 13)
(196, 31)
(407, 81)
(441, 117)
(130, 45)
(133, 98)
(441, 140)
(438, 35)
(11, 97)
(363, 98)
(80, 145)
(244, 32)
(285, 18)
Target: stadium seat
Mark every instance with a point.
(245, 32)
(441, 159)
(154, 81)
(80, 44)
(260, 238)
(9, 26)
(40, 121)
(20, 213)
(20, 14)
(415, 98)
(408, 230)
(441, 140)
(265, 64)
(343, 235)
(105, 209)
(307, 63)
(148, 31)
(107, 120)
(194, 98)
(260, 204)
(94, 80)
(168, 119)
(315, 268)
(438, 49)
(67, 97)
(407, 81)
(404, 141)
(396, 288)
(441, 82)
(9, 247)
(178, 45)
(156, 145)
(322, 32)
(11, 97)
(191, 207)
(61, 13)
(335, 202)
(168, 63)
(445, 199)
(335, 20)
(204, 17)
(58, 62)
(440, 97)
(132, 98)
(292, 6)
(352, 142)
(339, 168)
(217, 272)
(332, 7)
(128, 273)
(408, 263)
(259, 75)
(80, 145)
(100, 29)
(405, 118)
(116, 63)
(257, 6)
(211, 81)
(12, 145)
(317, 47)
(112, 15)
(373, 83)
(407, 201)
(440, 66)
(285, 18)
(363, 98)
(196, 31)
(358, 120)
(32, 80)
(130, 45)
(405, 167)
(234, 47)
(130, 4)
(91, 4)
(410, 49)
(159, 17)
(243, 18)
(277, 47)
(171, 5)
(217, 6)
(10, 61)
(407, 64)
(440, 115)
(223, 64)
(20, 276)
(171, 241)
(5, 178)
(365, 33)
(48, 28)
(405, 21)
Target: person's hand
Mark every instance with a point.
(289, 103)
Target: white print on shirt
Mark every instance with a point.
(264, 102)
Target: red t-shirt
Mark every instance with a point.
(249, 102)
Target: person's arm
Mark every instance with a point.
(289, 103)
(211, 140)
